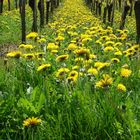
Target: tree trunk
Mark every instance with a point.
(137, 15)
(131, 7)
(110, 7)
(9, 5)
(120, 3)
(124, 14)
(47, 11)
(16, 4)
(105, 12)
(1, 6)
(57, 3)
(41, 10)
(113, 10)
(32, 4)
(23, 22)
(100, 8)
(52, 5)
(35, 17)
(20, 3)
(96, 7)
(93, 1)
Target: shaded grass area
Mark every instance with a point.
(10, 26)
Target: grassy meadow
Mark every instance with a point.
(74, 80)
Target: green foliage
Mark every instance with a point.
(76, 109)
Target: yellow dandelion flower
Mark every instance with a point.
(84, 36)
(14, 54)
(32, 35)
(108, 49)
(28, 46)
(29, 56)
(21, 45)
(92, 71)
(116, 49)
(109, 43)
(39, 54)
(118, 44)
(92, 56)
(61, 73)
(128, 44)
(79, 59)
(73, 41)
(82, 51)
(105, 82)
(54, 51)
(130, 50)
(125, 31)
(73, 73)
(136, 47)
(87, 62)
(31, 122)
(62, 57)
(85, 40)
(72, 79)
(112, 36)
(92, 32)
(125, 72)
(43, 67)
(123, 36)
(106, 38)
(52, 46)
(121, 87)
(74, 34)
(75, 67)
(59, 38)
(115, 60)
(98, 42)
(72, 46)
(118, 53)
(42, 40)
(98, 64)
(101, 65)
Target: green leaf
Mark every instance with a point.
(34, 94)
(40, 102)
(24, 103)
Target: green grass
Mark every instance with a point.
(69, 110)
(10, 26)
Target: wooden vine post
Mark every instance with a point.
(35, 17)
(47, 10)
(52, 5)
(120, 3)
(23, 22)
(93, 4)
(126, 8)
(41, 10)
(113, 11)
(57, 3)
(16, 4)
(9, 5)
(32, 4)
(96, 7)
(1, 6)
(131, 7)
(100, 8)
(137, 15)
(109, 8)
(105, 12)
